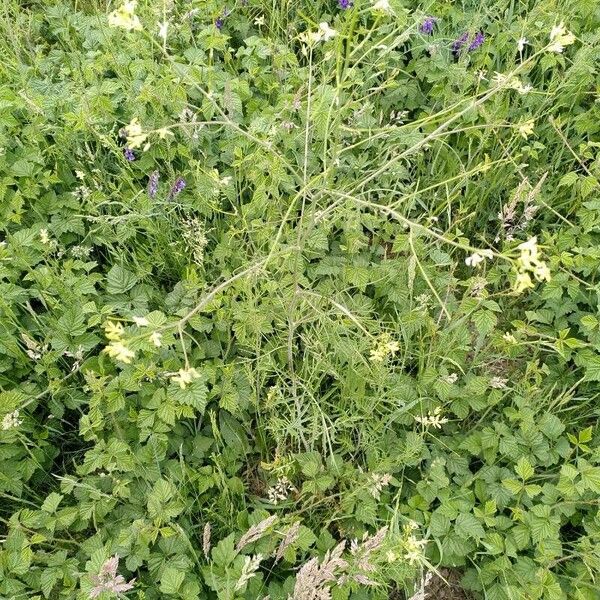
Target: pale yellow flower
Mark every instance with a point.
(44, 237)
(526, 128)
(113, 330)
(135, 135)
(184, 377)
(119, 351)
(125, 17)
(384, 347)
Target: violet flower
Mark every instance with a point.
(344, 4)
(477, 41)
(177, 187)
(427, 25)
(153, 184)
(220, 21)
(129, 154)
(458, 44)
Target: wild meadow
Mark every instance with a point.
(299, 299)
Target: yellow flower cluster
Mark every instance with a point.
(529, 263)
(125, 17)
(184, 377)
(384, 347)
(117, 348)
(135, 135)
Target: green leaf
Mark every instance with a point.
(223, 554)
(524, 469)
(51, 502)
(119, 280)
(171, 580)
(468, 526)
(485, 321)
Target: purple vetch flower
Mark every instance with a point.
(459, 43)
(477, 41)
(177, 187)
(220, 21)
(153, 184)
(344, 4)
(427, 25)
(129, 154)
(108, 580)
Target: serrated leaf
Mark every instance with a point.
(119, 280)
(468, 526)
(524, 469)
(171, 580)
(51, 502)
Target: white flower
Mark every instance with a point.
(326, 32)
(521, 43)
(44, 237)
(156, 338)
(559, 38)
(11, 420)
(383, 6)
(474, 260)
(433, 419)
(452, 378)
(498, 383)
(162, 30)
(141, 321)
(258, 21)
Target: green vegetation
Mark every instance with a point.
(299, 299)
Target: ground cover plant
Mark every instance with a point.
(299, 299)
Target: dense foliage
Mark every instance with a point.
(299, 299)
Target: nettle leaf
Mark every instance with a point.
(51, 503)
(194, 394)
(171, 580)
(485, 321)
(467, 525)
(590, 476)
(524, 469)
(119, 280)
(223, 554)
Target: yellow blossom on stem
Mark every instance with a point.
(113, 330)
(184, 377)
(125, 17)
(120, 351)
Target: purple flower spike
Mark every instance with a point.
(344, 4)
(219, 23)
(477, 41)
(177, 187)
(129, 154)
(459, 43)
(153, 184)
(427, 25)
